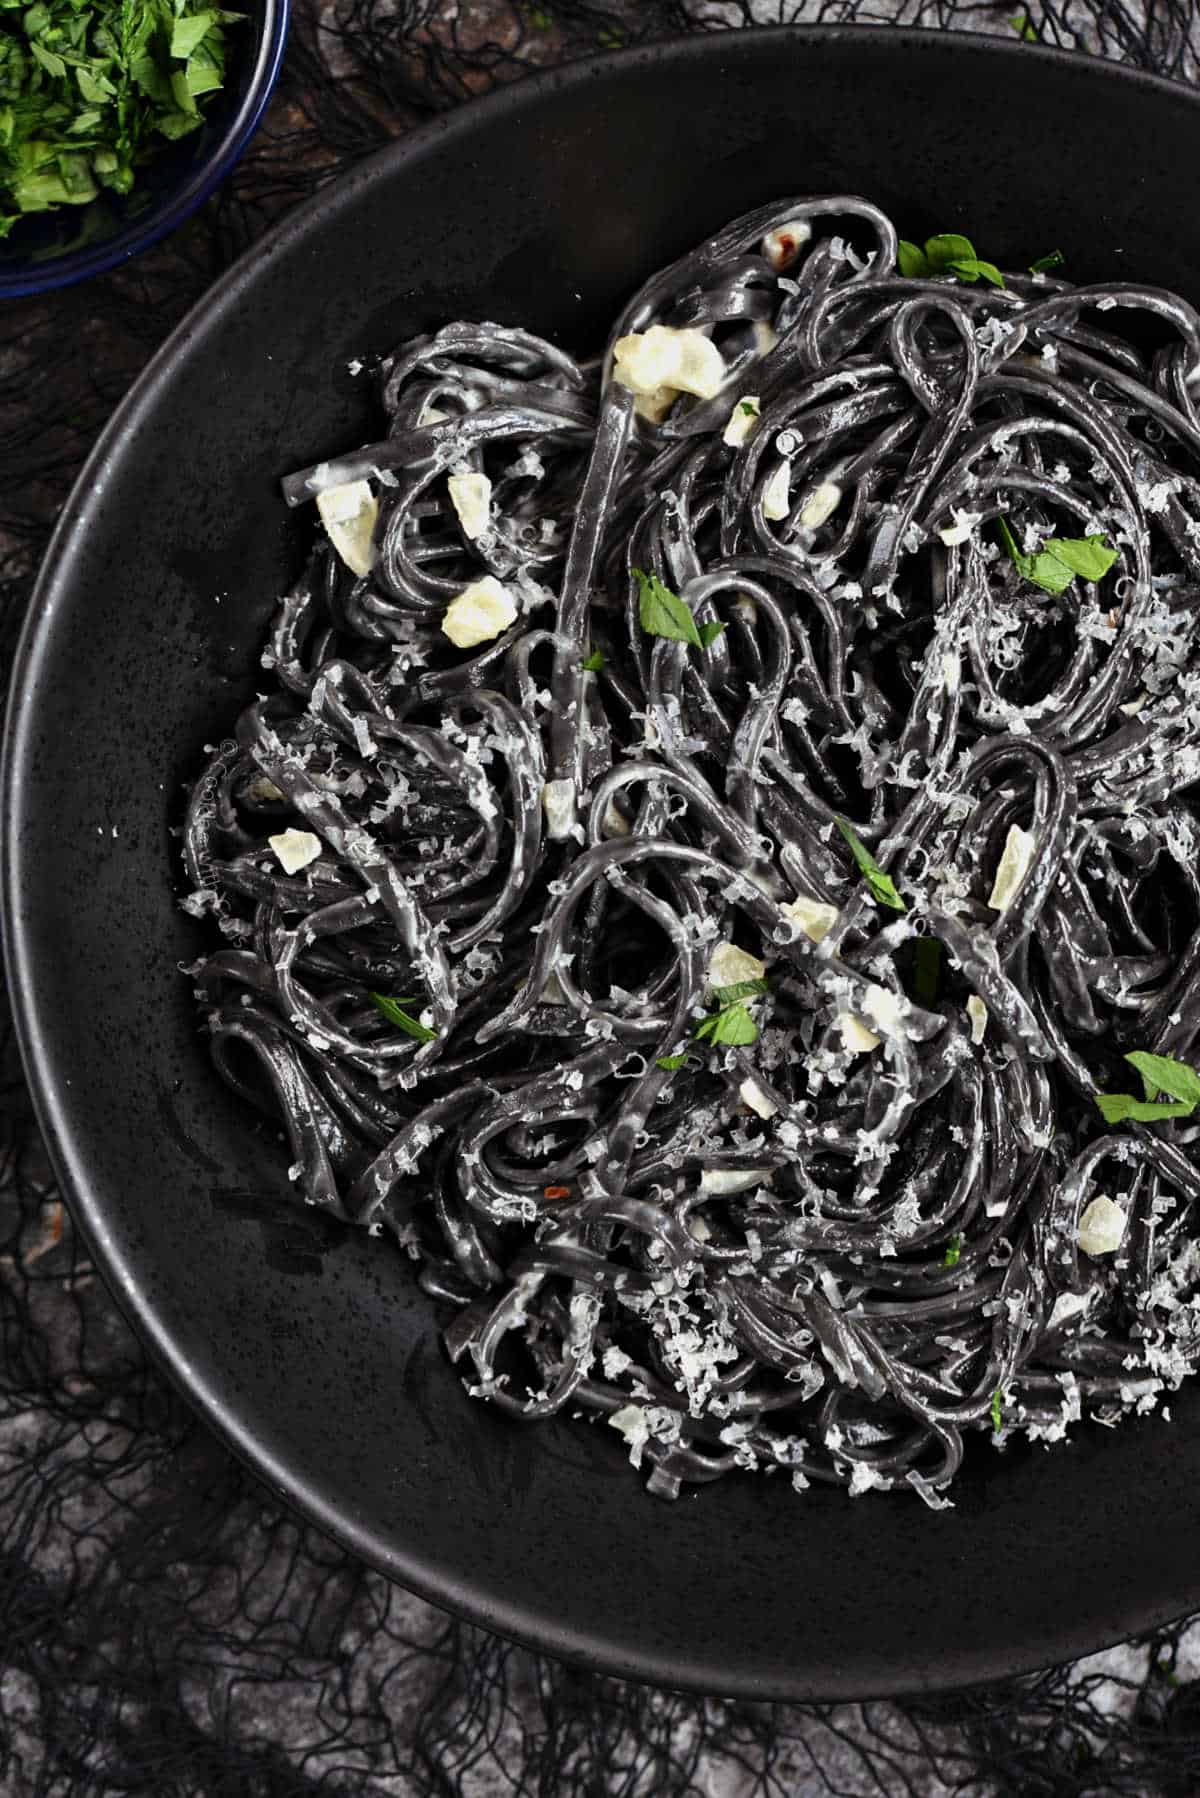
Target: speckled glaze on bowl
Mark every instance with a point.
(56, 249)
(307, 1346)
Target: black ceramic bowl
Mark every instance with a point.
(307, 1347)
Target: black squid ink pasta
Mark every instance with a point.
(723, 819)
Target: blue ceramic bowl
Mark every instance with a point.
(54, 249)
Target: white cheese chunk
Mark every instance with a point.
(743, 421)
(1101, 1228)
(776, 501)
(729, 966)
(480, 612)
(856, 1038)
(685, 360)
(698, 1229)
(885, 1009)
(755, 1099)
(656, 404)
(1014, 865)
(977, 1011)
(821, 505)
(294, 849)
(733, 1179)
(262, 788)
(558, 803)
(782, 245)
(349, 513)
(471, 497)
(815, 918)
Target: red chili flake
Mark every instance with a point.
(556, 1192)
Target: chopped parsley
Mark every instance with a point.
(749, 408)
(1054, 566)
(953, 1252)
(1044, 264)
(997, 1413)
(732, 1023)
(393, 1010)
(947, 254)
(89, 91)
(1160, 1074)
(881, 886)
(662, 613)
(1024, 27)
(671, 1062)
(595, 662)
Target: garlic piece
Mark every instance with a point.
(479, 613)
(820, 507)
(815, 918)
(1014, 865)
(471, 497)
(755, 1099)
(729, 966)
(743, 421)
(295, 849)
(856, 1038)
(776, 502)
(977, 1011)
(349, 513)
(1101, 1228)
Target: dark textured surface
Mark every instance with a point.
(536, 207)
(166, 1626)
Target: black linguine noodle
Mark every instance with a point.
(723, 813)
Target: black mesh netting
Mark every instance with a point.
(164, 1628)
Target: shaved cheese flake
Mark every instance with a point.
(1015, 863)
(821, 505)
(685, 360)
(481, 611)
(951, 671)
(1134, 706)
(960, 531)
(815, 918)
(742, 422)
(755, 1099)
(1101, 1228)
(632, 1423)
(698, 1229)
(977, 1011)
(349, 513)
(730, 965)
(885, 1009)
(558, 803)
(782, 245)
(295, 849)
(776, 501)
(471, 497)
(1066, 1306)
(856, 1038)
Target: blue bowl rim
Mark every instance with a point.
(203, 178)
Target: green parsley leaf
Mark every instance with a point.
(911, 260)
(742, 989)
(949, 253)
(1054, 566)
(662, 613)
(671, 1062)
(881, 885)
(997, 1414)
(1024, 27)
(953, 1252)
(749, 408)
(1163, 1074)
(732, 1024)
(189, 32)
(593, 663)
(1123, 1108)
(393, 1010)
(1044, 264)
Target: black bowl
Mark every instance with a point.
(307, 1347)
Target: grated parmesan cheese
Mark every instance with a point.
(295, 849)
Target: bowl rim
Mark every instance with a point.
(202, 180)
(513, 1617)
